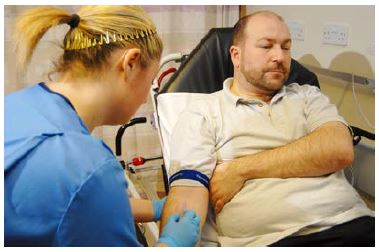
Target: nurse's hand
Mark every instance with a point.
(181, 231)
(224, 185)
(158, 207)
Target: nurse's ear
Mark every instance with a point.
(130, 63)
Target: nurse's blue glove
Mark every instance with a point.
(181, 231)
(158, 207)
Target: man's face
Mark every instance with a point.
(265, 53)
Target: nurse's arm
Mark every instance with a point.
(142, 210)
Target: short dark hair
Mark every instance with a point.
(239, 27)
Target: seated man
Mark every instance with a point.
(280, 152)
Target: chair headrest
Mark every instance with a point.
(209, 64)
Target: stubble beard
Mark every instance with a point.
(262, 83)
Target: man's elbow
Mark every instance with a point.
(344, 157)
(343, 147)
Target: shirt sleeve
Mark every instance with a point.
(192, 146)
(319, 109)
(99, 213)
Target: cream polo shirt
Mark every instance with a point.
(221, 127)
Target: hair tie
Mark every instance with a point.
(74, 21)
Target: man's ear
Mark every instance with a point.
(235, 55)
(130, 62)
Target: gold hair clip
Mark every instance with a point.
(81, 41)
(106, 38)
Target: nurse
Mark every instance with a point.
(62, 186)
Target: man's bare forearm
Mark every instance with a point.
(181, 198)
(326, 150)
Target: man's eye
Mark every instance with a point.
(265, 46)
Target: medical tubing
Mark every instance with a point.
(165, 73)
(358, 106)
(171, 57)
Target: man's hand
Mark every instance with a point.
(224, 184)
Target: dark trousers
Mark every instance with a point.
(359, 232)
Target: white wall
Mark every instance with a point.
(360, 19)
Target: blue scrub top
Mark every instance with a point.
(62, 187)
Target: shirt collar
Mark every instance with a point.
(237, 99)
(228, 93)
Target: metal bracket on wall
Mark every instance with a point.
(348, 77)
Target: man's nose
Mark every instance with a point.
(278, 54)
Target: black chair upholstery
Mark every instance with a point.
(209, 64)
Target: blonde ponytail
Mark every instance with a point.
(95, 32)
(31, 27)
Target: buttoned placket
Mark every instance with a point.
(258, 106)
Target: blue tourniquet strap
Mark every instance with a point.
(190, 174)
